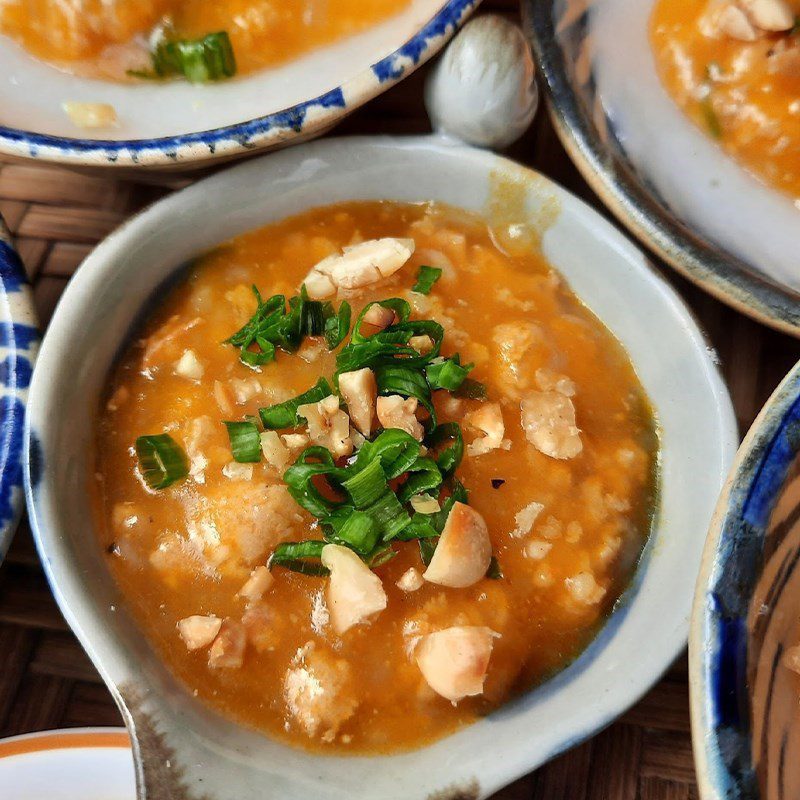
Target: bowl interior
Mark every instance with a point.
(665, 179)
(344, 73)
(605, 270)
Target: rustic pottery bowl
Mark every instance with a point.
(179, 126)
(19, 340)
(184, 750)
(668, 182)
(745, 701)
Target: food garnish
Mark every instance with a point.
(203, 60)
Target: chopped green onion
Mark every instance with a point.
(300, 557)
(396, 450)
(424, 476)
(312, 315)
(284, 415)
(400, 307)
(337, 325)
(449, 457)
(390, 517)
(209, 58)
(494, 572)
(710, 117)
(300, 476)
(161, 460)
(359, 532)
(447, 373)
(426, 277)
(245, 441)
(427, 547)
(471, 390)
(367, 485)
(380, 556)
(273, 325)
(407, 382)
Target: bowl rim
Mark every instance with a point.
(610, 708)
(721, 274)
(276, 129)
(19, 338)
(758, 469)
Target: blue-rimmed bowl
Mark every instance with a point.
(179, 126)
(745, 699)
(665, 179)
(19, 339)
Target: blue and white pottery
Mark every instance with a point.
(668, 182)
(185, 751)
(19, 340)
(745, 699)
(180, 126)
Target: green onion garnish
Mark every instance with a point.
(161, 460)
(710, 116)
(367, 485)
(359, 532)
(426, 277)
(284, 415)
(274, 325)
(245, 441)
(337, 325)
(494, 572)
(447, 373)
(300, 557)
(471, 390)
(209, 58)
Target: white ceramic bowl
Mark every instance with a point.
(670, 183)
(178, 126)
(180, 745)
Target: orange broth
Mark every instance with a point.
(187, 550)
(104, 39)
(745, 94)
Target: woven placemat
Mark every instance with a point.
(46, 680)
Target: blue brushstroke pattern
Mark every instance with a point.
(292, 118)
(15, 334)
(738, 565)
(12, 273)
(391, 67)
(15, 372)
(12, 414)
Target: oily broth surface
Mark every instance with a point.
(758, 111)
(104, 39)
(597, 506)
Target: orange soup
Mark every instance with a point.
(109, 38)
(443, 519)
(734, 67)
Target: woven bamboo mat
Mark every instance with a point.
(46, 681)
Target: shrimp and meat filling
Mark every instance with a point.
(195, 39)
(364, 508)
(734, 67)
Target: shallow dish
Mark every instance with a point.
(180, 746)
(19, 340)
(181, 126)
(744, 698)
(663, 177)
(90, 763)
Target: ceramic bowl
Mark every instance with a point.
(668, 182)
(179, 126)
(90, 763)
(184, 750)
(19, 339)
(745, 709)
